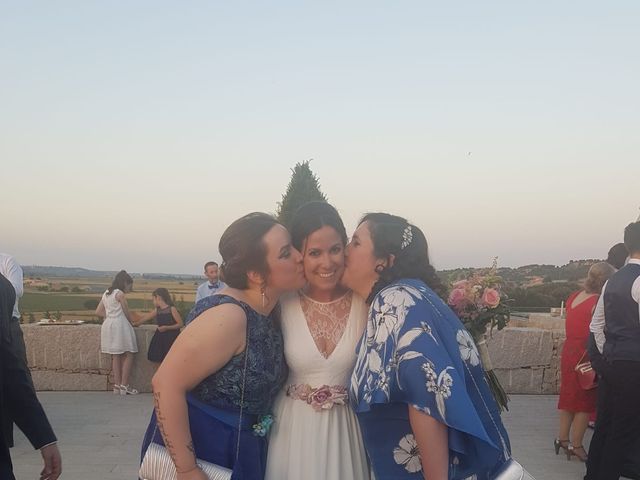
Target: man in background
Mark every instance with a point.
(213, 283)
(18, 400)
(616, 331)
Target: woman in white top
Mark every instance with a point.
(117, 335)
(315, 434)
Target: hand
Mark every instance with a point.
(52, 462)
(195, 474)
(162, 328)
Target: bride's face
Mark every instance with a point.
(360, 262)
(323, 259)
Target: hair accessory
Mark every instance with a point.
(407, 237)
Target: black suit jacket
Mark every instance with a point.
(18, 400)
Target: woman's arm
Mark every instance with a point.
(432, 438)
(146, 317)
(211, 340)
(100, 310)
(125, 307)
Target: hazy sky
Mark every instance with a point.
(133, 133)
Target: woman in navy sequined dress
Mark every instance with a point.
(223, 372)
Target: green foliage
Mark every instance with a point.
(57, 316)
(492, 318)
(91, 304)
(183, 307)
(303, 187)
(76, 290)
(542, 296)
(64, 289)
(42, 288)
(47, 315)
(32, 318)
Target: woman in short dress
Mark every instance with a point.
(169, 323)
(117, 337)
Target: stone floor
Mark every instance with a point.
(100, 436)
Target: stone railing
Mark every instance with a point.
(65, 357)
(526, 360)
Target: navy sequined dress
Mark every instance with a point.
(214, 404)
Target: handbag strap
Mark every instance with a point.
(244, 384)
(581, 358)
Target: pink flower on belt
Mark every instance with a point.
(320, 398)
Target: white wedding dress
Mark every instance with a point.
(315, 443)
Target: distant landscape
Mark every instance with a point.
(72, 293)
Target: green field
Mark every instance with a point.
(54, 301)
(72, 304)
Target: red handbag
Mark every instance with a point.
(586, 375)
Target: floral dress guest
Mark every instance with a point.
(418, 387)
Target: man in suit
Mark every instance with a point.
(18, 400)
(616, 331)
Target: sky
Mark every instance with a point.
(133, 133)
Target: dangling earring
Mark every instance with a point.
(379, 269)
(264, 297)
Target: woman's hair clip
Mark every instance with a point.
(407, 237)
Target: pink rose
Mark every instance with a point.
(457, 297)
(491, 297)
(320, 398)
(461, 284)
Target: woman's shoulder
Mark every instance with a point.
(219, 304)
(406, 292)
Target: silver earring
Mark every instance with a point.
(264, 298)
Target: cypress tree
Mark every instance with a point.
(303, 187)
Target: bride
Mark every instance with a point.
(315, 434)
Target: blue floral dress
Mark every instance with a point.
(416, 352)
(214, 404)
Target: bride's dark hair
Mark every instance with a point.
(393, 235)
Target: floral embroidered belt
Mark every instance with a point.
(320, 398)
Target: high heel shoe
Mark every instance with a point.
(126, 390)
(561, 444)
(579, 452)
(116, 389)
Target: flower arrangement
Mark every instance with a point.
(481, 306)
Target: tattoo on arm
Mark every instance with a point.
(160, 421)
(191, 448)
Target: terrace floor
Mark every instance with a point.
(100, 434)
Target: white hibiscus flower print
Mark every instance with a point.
(438, 384)
(468, 350)
(407, 455)
(402, 296)
(385, 323)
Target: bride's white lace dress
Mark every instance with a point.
(315, 435)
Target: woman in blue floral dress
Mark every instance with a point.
(222, 374)
(418, 387)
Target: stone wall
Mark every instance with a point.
(526, 360)
(68, 357)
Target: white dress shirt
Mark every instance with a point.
(207, 288)
(12, 271)
(598, 321)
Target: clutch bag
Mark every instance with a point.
(512, 470)
(158, 465)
